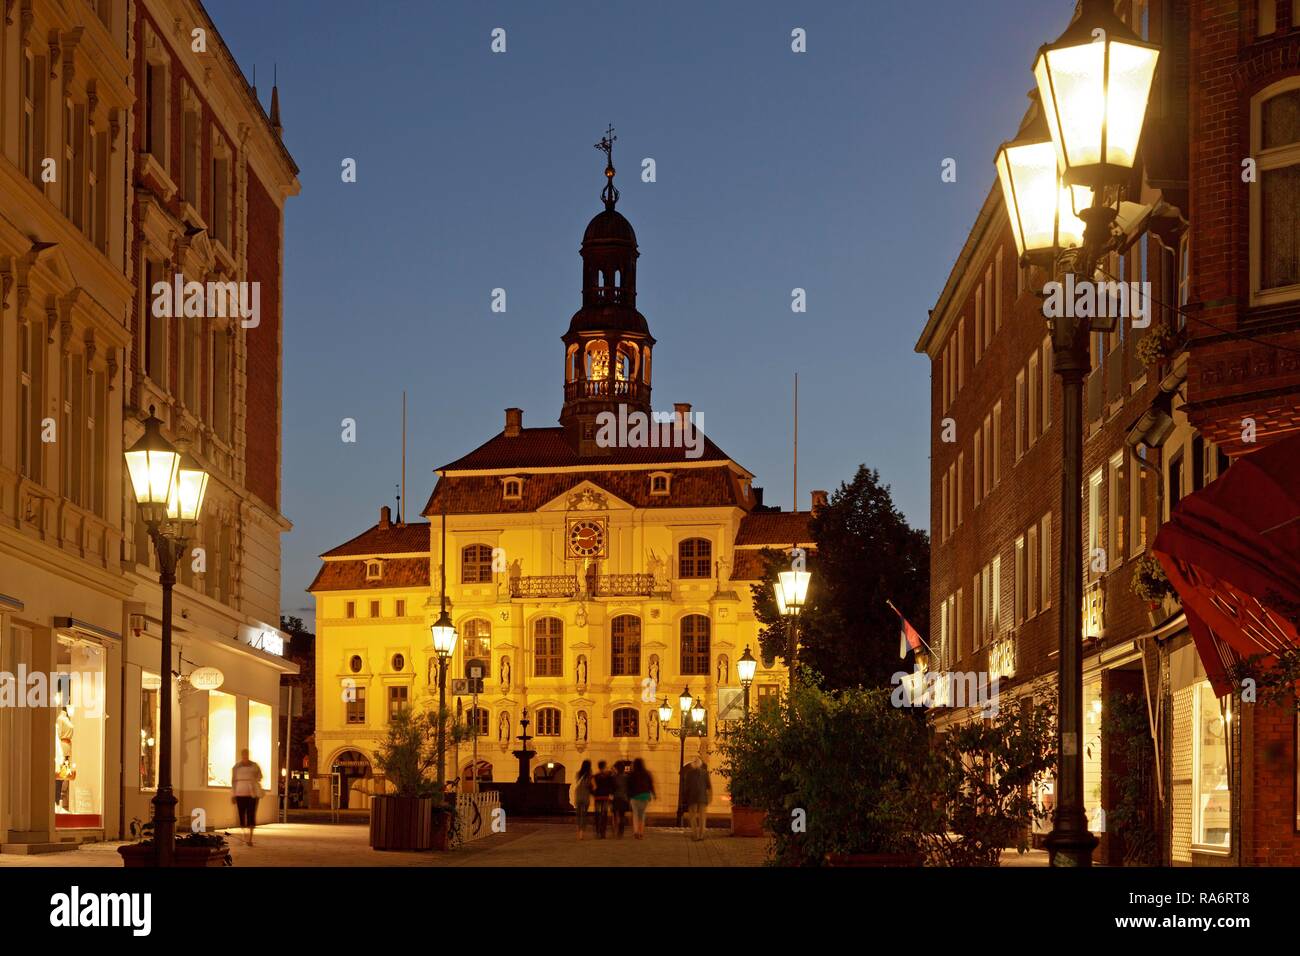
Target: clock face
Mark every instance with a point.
(586, 539)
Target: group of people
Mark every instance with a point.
(628, 785)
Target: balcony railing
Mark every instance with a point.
(569, 585)
(604, 388)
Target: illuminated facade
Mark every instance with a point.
(589, 581)
(127, 151)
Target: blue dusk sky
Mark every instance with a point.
(475, 171)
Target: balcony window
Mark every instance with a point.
(695, 558)
(627, 722)
(548, 647)
(625, 646)
(476, 564)
(695, 644)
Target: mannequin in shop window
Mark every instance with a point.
(64, 769)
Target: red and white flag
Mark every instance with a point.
(908, 639)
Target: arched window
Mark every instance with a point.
(625, 646)
(627, 722)
(476, 564)
(548, 647)
(695, 558)
(476, 718)
(695, 644)
(476, 635)
(548, 722)
(597, 360)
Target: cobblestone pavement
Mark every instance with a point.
(526, 843)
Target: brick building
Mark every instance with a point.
(132, 151)
(1160, 424)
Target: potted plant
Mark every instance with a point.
(1158, 344)
(1151, 585)
(753, 776)
(413, 816)
(192, 849)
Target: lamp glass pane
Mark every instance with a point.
(137, 465)
(444, 640)
(697, 714)
(745, 669)
(794, 585)
(685, 701)
(1132, 69)
(780, 599)
(1009, 200)
(1078, 94)
(188, 491)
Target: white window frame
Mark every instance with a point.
(1020, 411)
(1045, 559)
(1114, 509)
(1279, 157)
(1021, 589)
(1196, 779)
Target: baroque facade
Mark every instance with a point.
(132, 147)
(590, 579)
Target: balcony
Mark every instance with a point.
(593, 586)
(604, 388)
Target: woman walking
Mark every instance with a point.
(246, 790)
(641, 787)
(582, 790)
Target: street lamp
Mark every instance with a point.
(169, 489)
(745, 668)
(691, 713)
(443, 633)
(791, 590)
(1094, 83)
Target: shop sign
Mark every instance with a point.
(207, 678)
(266, 640)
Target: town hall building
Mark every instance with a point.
(591, 571)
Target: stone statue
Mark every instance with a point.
(582, 670)
(659, 569)
(654, 669)
(505, 672)
(503, 727)
(581, 734)
(652, 725)
(724, 669)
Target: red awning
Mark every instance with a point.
(1232, 552)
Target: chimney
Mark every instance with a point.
(681, 414)
(758, 497)
(818, 501)
(514, 422)
(385, 518)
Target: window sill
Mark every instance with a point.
(153, 168)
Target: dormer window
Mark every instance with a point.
(512, 489)
(374, 570)
(660, 483)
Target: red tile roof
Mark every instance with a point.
(777, 528)
(688, 488)
(351, 575)
(548, 448)
(412, 538)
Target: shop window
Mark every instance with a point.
(1092, 722)
(695, 558)
(399, 701)
(1211, 797)
(79, 734)
(150, 688)
(221, 738)
(627, 722)
(261, 737)
(548, 722)
(355, 705)
(695, 644)
(548, 647)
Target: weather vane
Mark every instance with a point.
(610, 193)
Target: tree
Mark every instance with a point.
(866, 555)
(301, 651)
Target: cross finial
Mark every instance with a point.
(609, 194)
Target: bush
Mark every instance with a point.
(982, 780)
(850, 761)
(409, 751)
(1149, 581)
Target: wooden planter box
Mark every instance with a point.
(403, 823)
(747, 821)
(138, 855)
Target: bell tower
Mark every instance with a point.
(607, 348)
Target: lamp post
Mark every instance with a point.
(169, 489)
(791, 591)
(1093, 84)
(745, 667)
(444, 643)
(689, 710)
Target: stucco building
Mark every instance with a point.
(591, 576)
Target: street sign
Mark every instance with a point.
(474, 670)
(731, 703)
(459, 686)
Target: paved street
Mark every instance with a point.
(526, 843)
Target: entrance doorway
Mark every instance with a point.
(350, 765)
